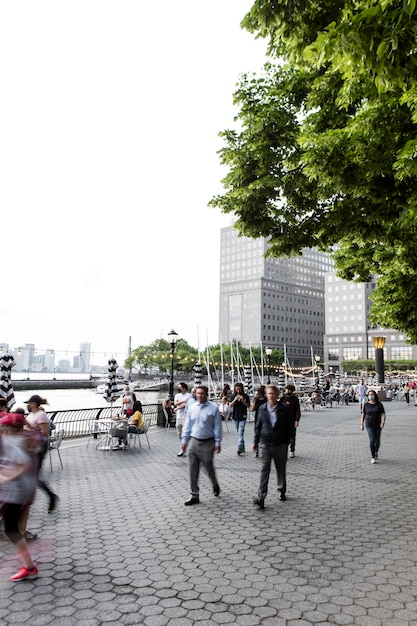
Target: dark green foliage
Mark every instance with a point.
(326, 154)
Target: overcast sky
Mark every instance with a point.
(108, 141)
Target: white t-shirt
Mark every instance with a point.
(180, 413)
(34, 418)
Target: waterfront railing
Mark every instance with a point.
(80, 422)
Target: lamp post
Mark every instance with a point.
(172, 338)
(379, 343)
(268, 352)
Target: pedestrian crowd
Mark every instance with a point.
(24, 443)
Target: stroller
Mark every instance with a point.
(119, 430)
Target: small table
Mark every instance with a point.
(106, 442)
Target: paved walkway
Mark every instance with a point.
(123, 549)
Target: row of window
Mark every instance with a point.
(357, 352)
(293, 330)
(293, 319)
(360, 338)
(291, 350)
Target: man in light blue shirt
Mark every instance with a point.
(201, 437)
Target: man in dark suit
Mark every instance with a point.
(272, 436)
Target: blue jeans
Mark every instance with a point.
(240, 429)
(374, 439)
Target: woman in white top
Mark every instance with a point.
(38, 421)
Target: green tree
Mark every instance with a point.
(158, 354)
(326, 151)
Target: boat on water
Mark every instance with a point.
(101, 389)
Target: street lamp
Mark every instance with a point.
(268, 352)
(379, 343)
(172, 338)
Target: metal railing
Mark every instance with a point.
(79, 422)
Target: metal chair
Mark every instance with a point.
(54, 444)
(98, 430)
(168, 422)
(144, 431)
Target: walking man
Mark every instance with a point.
(201, 438)
(272, 436)
(180, 402)
(362, 390)
(292, 402)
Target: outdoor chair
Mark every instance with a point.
(168, 422)
(54, 444)
(98, 430)
(144, 431)
(318, 403)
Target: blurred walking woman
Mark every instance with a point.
(18, 473)
(373, 418)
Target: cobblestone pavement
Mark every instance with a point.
(123, 549)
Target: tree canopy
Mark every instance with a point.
(326, 151)
(158, 355)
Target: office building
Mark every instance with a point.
(85, 356)
(348, 334)
(272, 302)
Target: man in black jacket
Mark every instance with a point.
(293, 403)
(272, 436)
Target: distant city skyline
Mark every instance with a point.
(29, 358)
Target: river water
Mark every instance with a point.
(62, 399)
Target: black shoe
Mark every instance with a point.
(53, 501)
(216, 490)
(29, 536)
(282, 496)
(260, 503)
(191, 501)
(241, 451)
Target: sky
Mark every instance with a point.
(108, 151)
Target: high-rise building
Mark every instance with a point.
(348, 334)
(28, 355)
(272, 302)
(49, 360)
(85, 356)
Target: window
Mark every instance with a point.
(352, 353)
(333, 354)
(401, 352)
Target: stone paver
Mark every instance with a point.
(122, 548)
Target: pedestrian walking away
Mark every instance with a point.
(240, 403)
(201, 438)
(258, 400)
(292, 402)
(406, 392)
(373, 419)
(272, 437)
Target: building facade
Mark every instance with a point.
(272, 302)
(348, 334)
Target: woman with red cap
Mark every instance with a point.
(18, 476)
